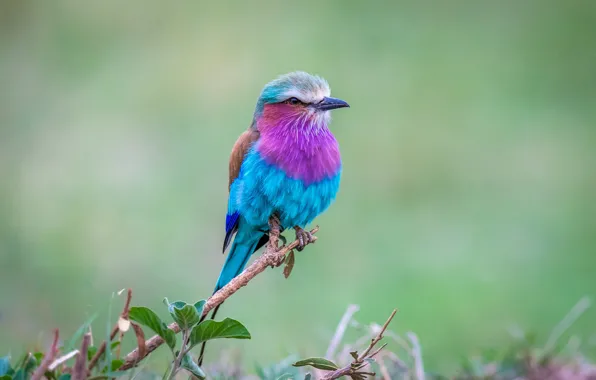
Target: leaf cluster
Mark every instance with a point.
(194, 332)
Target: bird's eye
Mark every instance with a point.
(293, 101)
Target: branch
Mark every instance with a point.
(180, 355)
(360, 361)
(270, 258)
(47, 359)
(79, 371)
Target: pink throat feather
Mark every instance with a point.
(298, 142)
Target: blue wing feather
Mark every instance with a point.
(231, 228)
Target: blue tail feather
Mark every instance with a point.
(242, 248)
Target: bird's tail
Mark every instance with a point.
(242, 248)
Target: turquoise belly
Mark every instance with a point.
(262, 189)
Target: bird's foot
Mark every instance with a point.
(304, 237)
(274, 230)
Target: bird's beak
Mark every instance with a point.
(330, 104)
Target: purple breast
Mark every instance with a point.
(303, 149)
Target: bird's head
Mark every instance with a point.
(296, 97)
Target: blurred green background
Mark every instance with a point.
(469, 186)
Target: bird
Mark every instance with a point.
(284, 169)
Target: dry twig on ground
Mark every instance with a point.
(360, 361)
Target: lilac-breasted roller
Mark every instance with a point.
(287, 164)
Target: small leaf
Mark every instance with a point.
(5, 377)
(114, 344)
(185, 315)
(289, 264)
(91, 352)
(307, 377)
(192, 367)
(354, 354)
(19, 375)
(116, 363)
(5, 368)
(64, 376)
(147, 317)
(38, 356)
(228, 328)
(72, 343)
(200, 305)
(318, 363)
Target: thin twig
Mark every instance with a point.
(377, 351)
(354, 367)
(47, 359)
(181, 354)
(270, 257)
(79, 371)
(140, 338)
(378, 337)
(341, 330)
(115, 329)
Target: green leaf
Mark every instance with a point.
(319, 363)
(200, 305)
(21, 375)
(38, 357)
(72, 343)
(228, 328)
(5, 368)
(114, 344)
(189, 365)
(185, 315)
(64, 376)
(5, 377)
(91, 352)
(147, 317)
(307, 377)
(116, 363)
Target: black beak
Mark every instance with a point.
(330, 104)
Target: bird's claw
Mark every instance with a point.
(304, 237)
(274, 230)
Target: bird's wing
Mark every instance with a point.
(239, 151)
